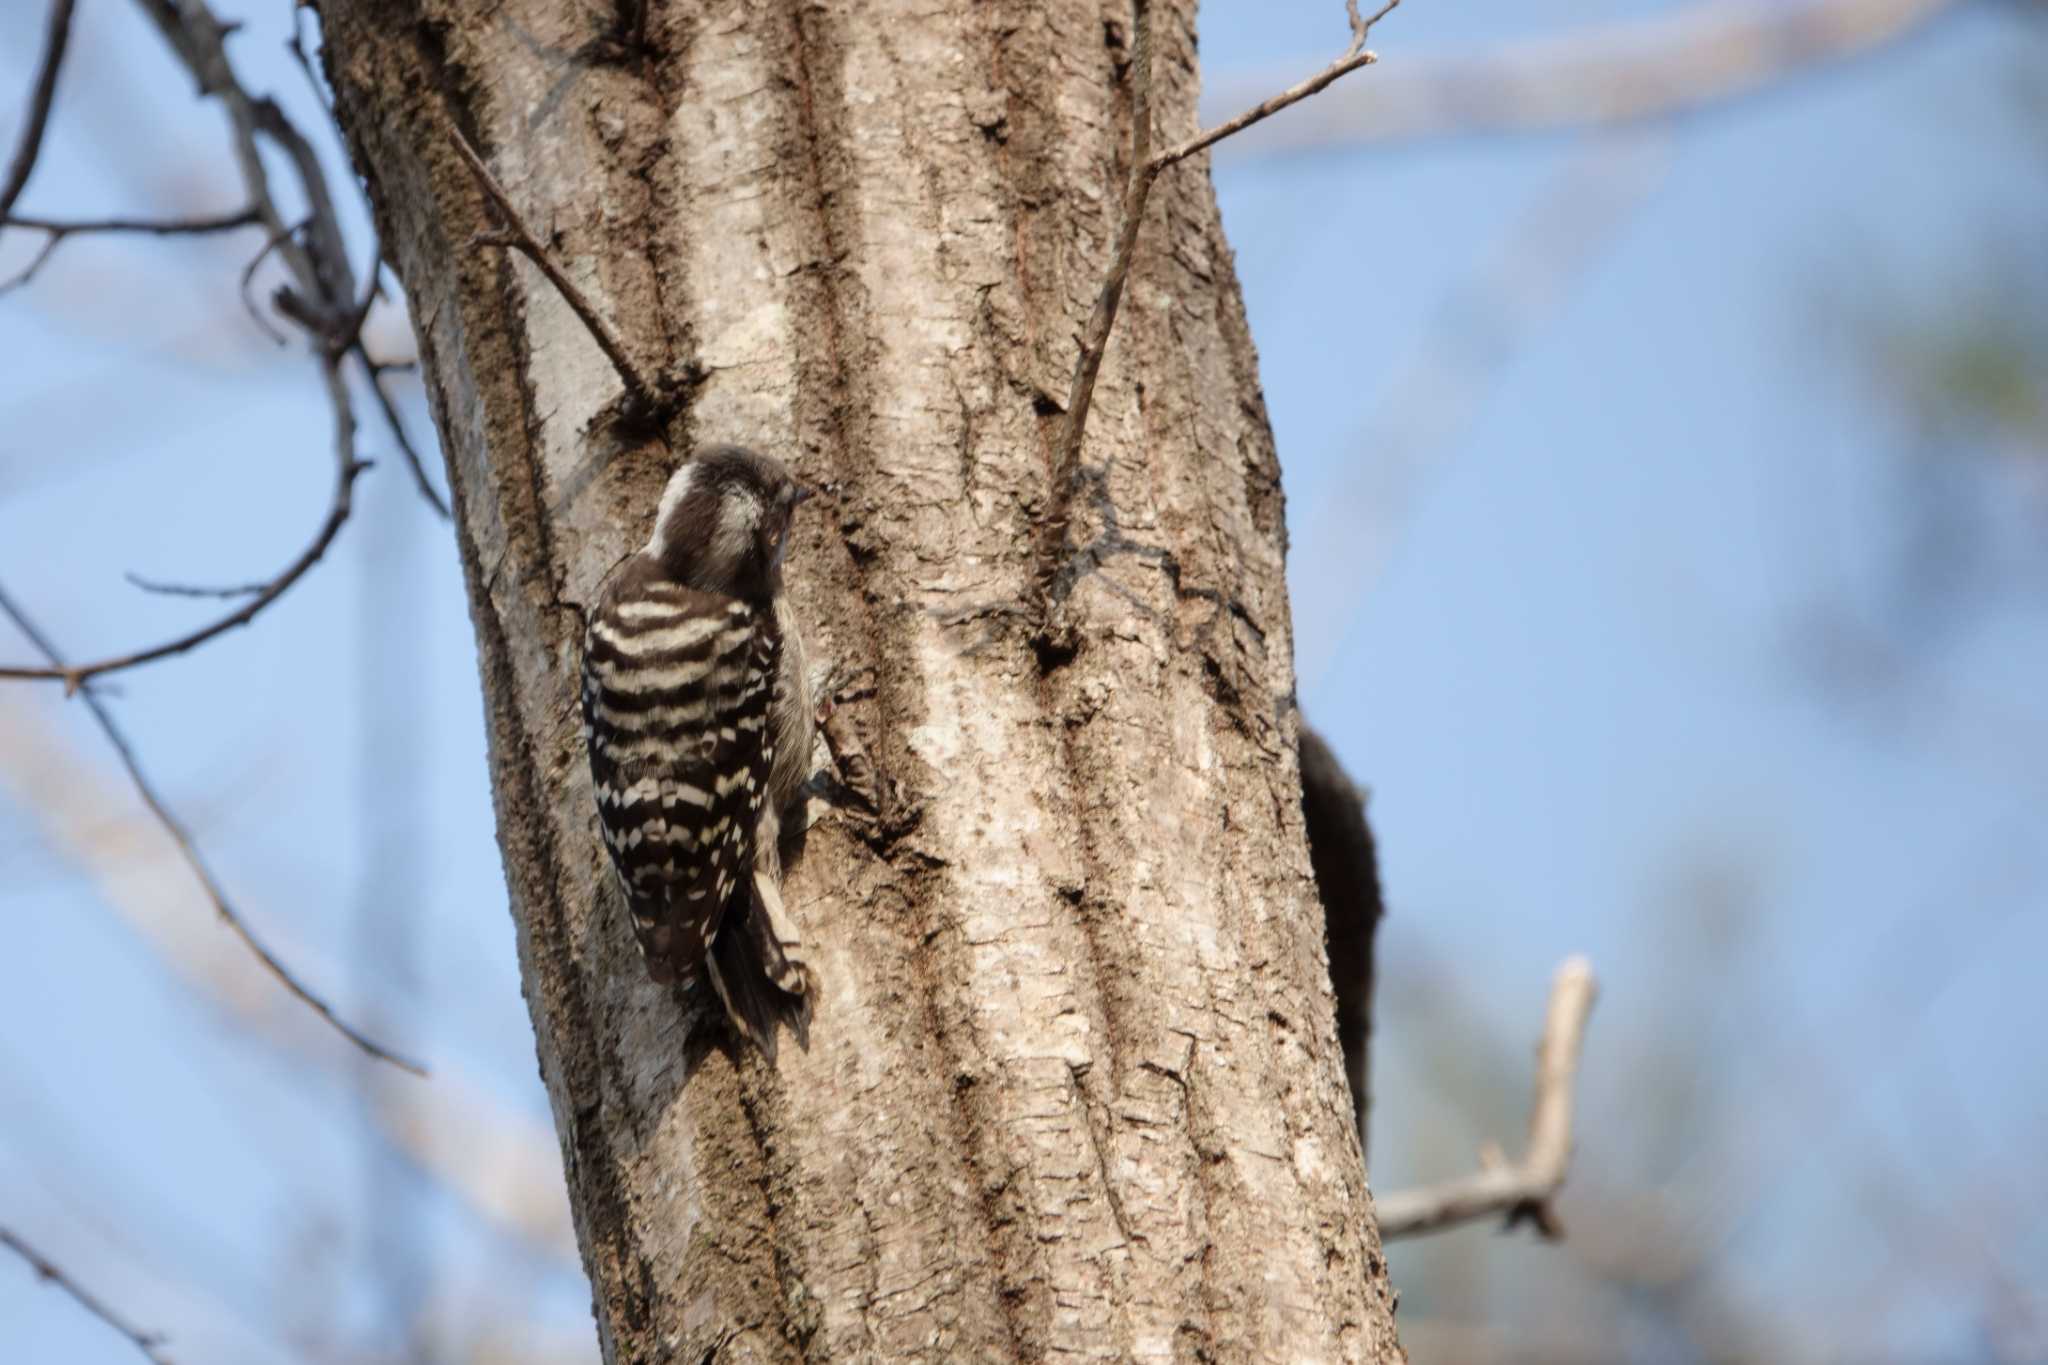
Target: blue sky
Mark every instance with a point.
(1576, 666)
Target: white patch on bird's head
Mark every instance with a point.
(739, 521)
(671, 498)
(723, 523)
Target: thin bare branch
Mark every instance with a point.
(520, 238)
(1521, 1189)
(1145, 168)
(350, 333)
(319, 264)
(1137, 186)
(76, 676)
(321, 298)
(1358, 55)
(500, 1161)
(334, 330)
(146, 1342)
(392, 420)
(183, 838)
(1675, 60)
(270, 244)
(56, 37)
(28, 272)
(192, 589)
(296, 45)
(56, 230)
(160, 227)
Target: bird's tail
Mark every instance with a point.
(756, 968)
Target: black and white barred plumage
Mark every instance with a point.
(699, 726)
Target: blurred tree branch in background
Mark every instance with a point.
(1960, 382)
(1340, 845)
(497, 1161)
(1521, 1189)
(47, 1271)
(321, 300)
(1438, 390)
(182, 837)
(1613, 72)
(41, 95)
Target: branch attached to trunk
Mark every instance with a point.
(1522, 1189)
(46, 1270)
(374, 371)
(1145, 168)
(649, 399)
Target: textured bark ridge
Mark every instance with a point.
(1073, 1086)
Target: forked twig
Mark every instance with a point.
(56, 230)
(1355, 56)
(322, 287)
(348, 467)
(1522, 1189)
(1145, 168)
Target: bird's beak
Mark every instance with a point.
(800, 494)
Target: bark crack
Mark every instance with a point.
(846, 408)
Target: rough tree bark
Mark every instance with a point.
(1074, 1085)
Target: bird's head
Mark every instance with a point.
(723, 525)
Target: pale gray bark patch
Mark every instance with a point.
(1074, 1085)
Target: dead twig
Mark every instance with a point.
(1137, 186)
(193, 589)
(349, 334)
(518, 237)
(348, 467)
(375, 373)
(56, 37)
(270, 244)
(56, 230)
(1521, 1189)
(319, 264)
(1355, 56)
(500, 1162)
(321, 298)
(1672, 61)
(47, 1271)
(190, 851)
(1145, 168)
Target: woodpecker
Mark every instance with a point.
(697, 716)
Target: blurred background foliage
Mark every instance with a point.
(1667, 501)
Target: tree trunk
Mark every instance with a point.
(1073, 1085)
